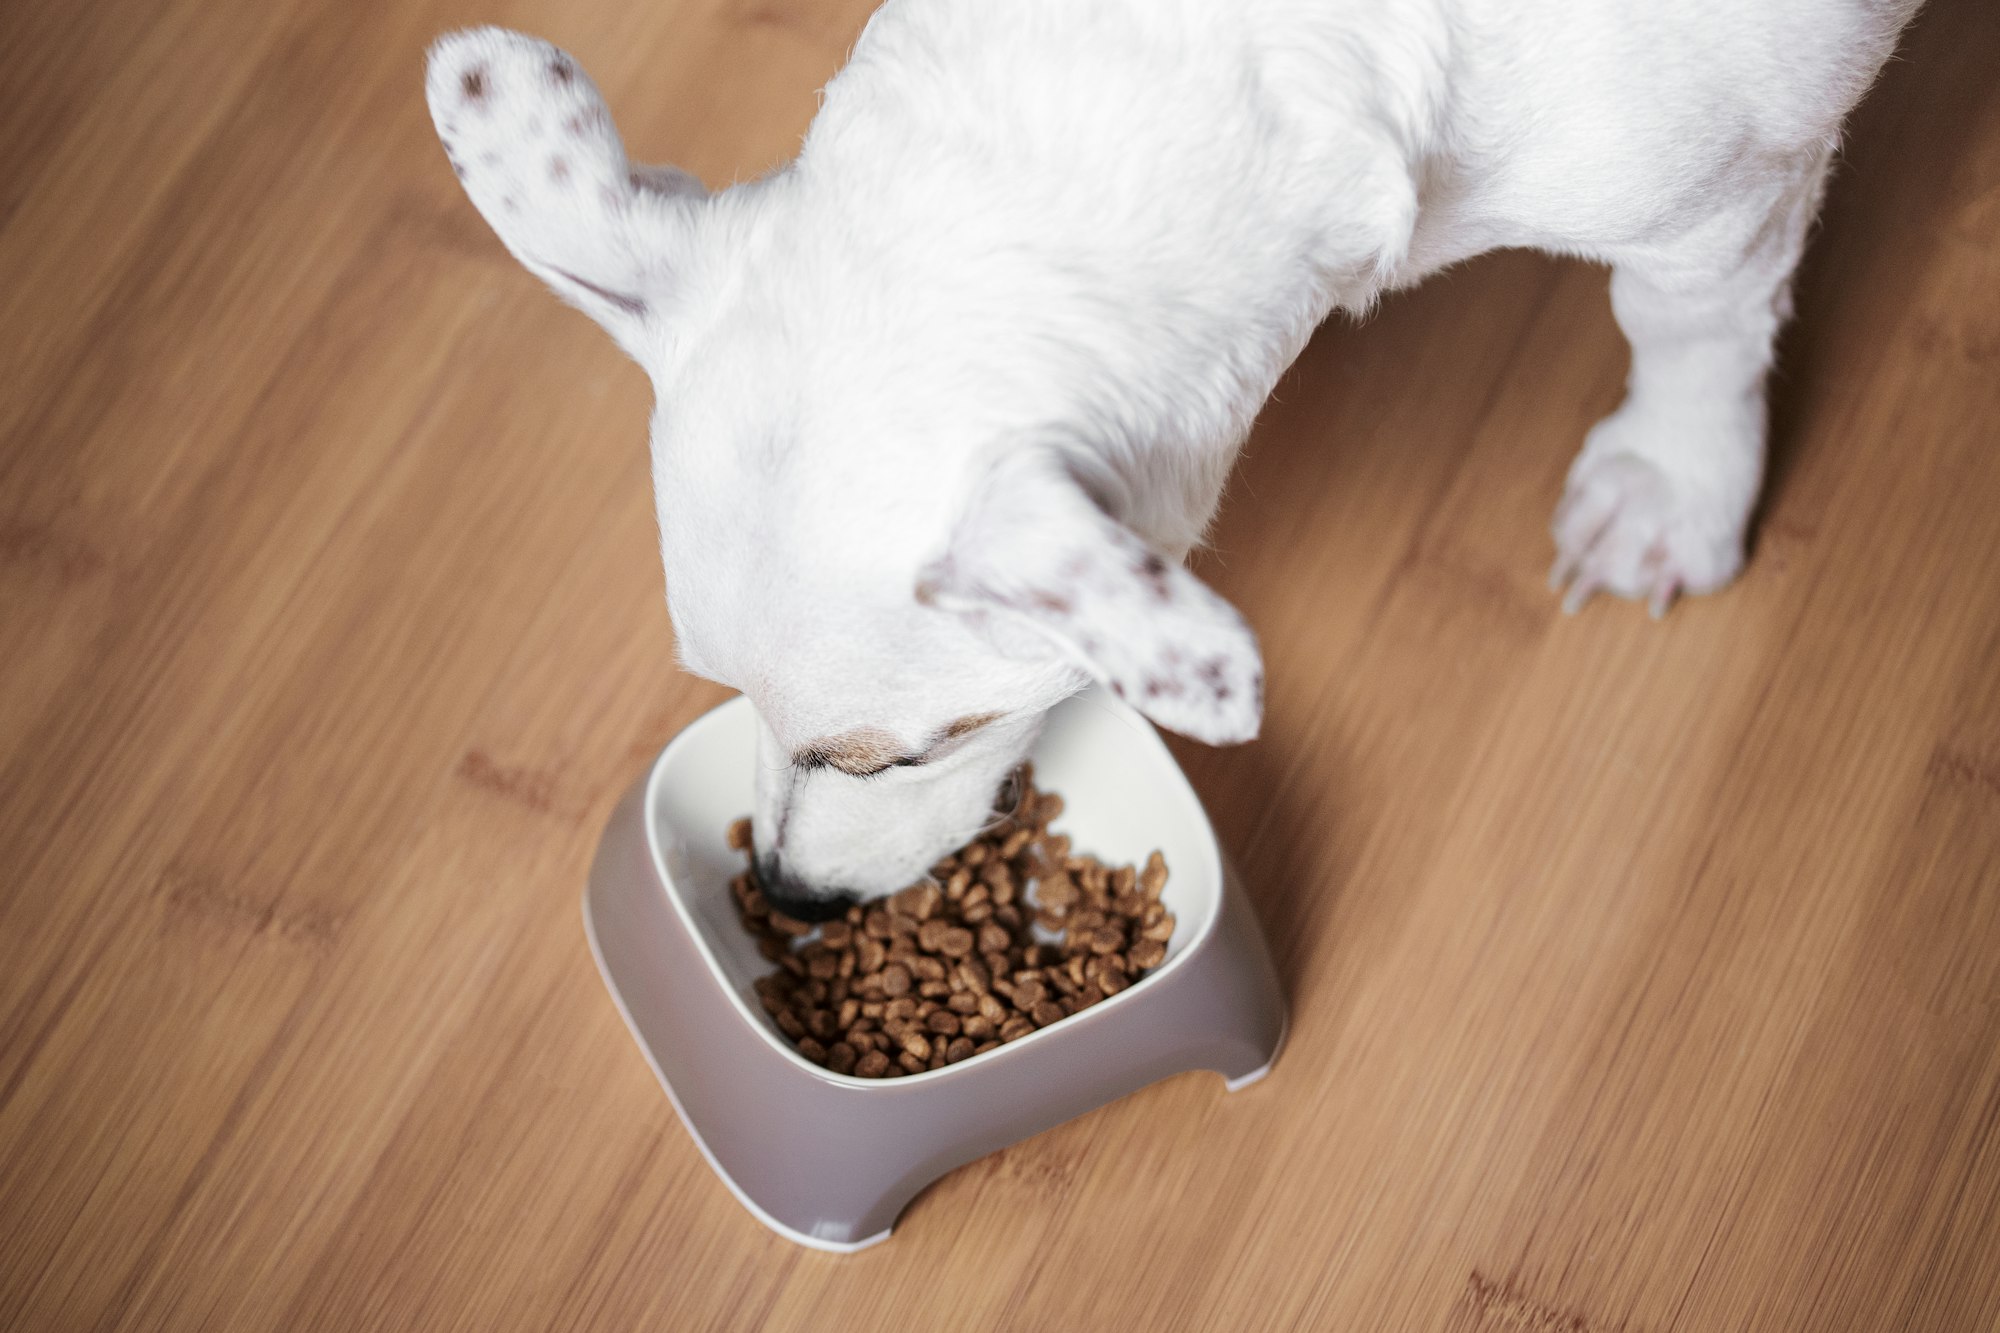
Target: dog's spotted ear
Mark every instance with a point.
(530, 139)
(1033, 551)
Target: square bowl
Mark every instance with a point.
(830, 1160)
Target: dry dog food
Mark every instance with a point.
(1009, 934)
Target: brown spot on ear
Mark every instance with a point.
(1213, 671)
(1157, 686)
(1118, 688)
(474, 83)
(558, 168)
(1053, 603)
(1153, 569)
(560, 70)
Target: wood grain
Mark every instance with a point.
(1644, 977)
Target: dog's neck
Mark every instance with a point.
(1143, 285)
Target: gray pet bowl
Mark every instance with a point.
(829, 1160)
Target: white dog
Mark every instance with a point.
(942, 404)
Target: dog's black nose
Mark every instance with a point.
(795, 898)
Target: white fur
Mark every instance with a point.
(943, 404)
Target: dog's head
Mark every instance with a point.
(902, 591)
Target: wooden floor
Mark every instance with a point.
(1643, 976)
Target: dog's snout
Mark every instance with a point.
(794, 897)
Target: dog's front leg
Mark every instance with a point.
(1659, 500)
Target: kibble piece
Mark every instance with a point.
(739, 835)
(840, 1058)
(836, 934)
(1107, 939)
(963, 1003)
(1154, 877)
(945, 1021)
(910, 1063)
(812, 1050)
(960, 1048)
(992, 1009)
(895, 980)
(1015, 1028)
(872, 1065)
(976, 1025)
(1147, 953)
(956, 942)
(916, 1044)
(1047, 1012)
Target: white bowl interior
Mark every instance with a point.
(1123, 797)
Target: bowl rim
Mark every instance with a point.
(1149, 740)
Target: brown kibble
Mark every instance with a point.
(788, 924)
(916, 981)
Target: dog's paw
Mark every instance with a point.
(1628, 526)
